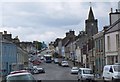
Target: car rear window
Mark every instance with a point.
(20, 77)
(87, 72)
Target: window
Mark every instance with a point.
(101, 44)
(111, 70)
(117, 68)
(117, 41)
(108, 42)
(87, 72)
(80, 71)
(116, 59)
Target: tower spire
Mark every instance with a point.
(90, 4)
(91, 15)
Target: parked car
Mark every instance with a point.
(37, 70)
(36, 62)
(64, 64)
(85, 74)
(42, 58)
(21, 75)
(111, 72)
(74, 70)
(56, 60)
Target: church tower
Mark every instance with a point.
(91, 26)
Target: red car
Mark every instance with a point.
(36, 62)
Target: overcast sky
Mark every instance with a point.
(46, 20)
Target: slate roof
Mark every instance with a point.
(114, 27)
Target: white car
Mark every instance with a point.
(85, 74)
(56, 60)
(42, 58)
(74, 70)
(111, 72)
(64, 64)
(20, 75)
(37, 70)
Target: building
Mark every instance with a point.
(112, 38)
(68, 50)
(91, 28)
(8, 55)
(99, 41)
(63, 44)
(12, 54)
(81, 40)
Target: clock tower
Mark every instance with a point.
(91, 26)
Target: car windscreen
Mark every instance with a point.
(27, 77)
(74, 68)
(64, 62)
(87, 72)
(116, 68)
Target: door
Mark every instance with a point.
(80, 74)
(110, 73)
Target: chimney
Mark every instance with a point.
(116, 10)
(67, 33)
(1, 33)
(111, 10)
(105, 27)
(5, 32)
(72, 32)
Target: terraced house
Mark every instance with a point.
(12, 56)
(112, 38)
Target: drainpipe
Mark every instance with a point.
(119, 37)
(119, 48)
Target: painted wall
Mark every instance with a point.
(9, 52)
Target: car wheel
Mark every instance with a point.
(104, 79)
(43, 71)
(113, 80)
(35, 71)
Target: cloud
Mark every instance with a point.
(31, 34)
(51, 14)
(47, 21)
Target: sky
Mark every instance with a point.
(46, 20)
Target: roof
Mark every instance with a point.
(91, 15)
(18, 74)
(47, 55)
(85, 68)
(99, 34)
(114, 27)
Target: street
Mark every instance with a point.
(55, 72)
